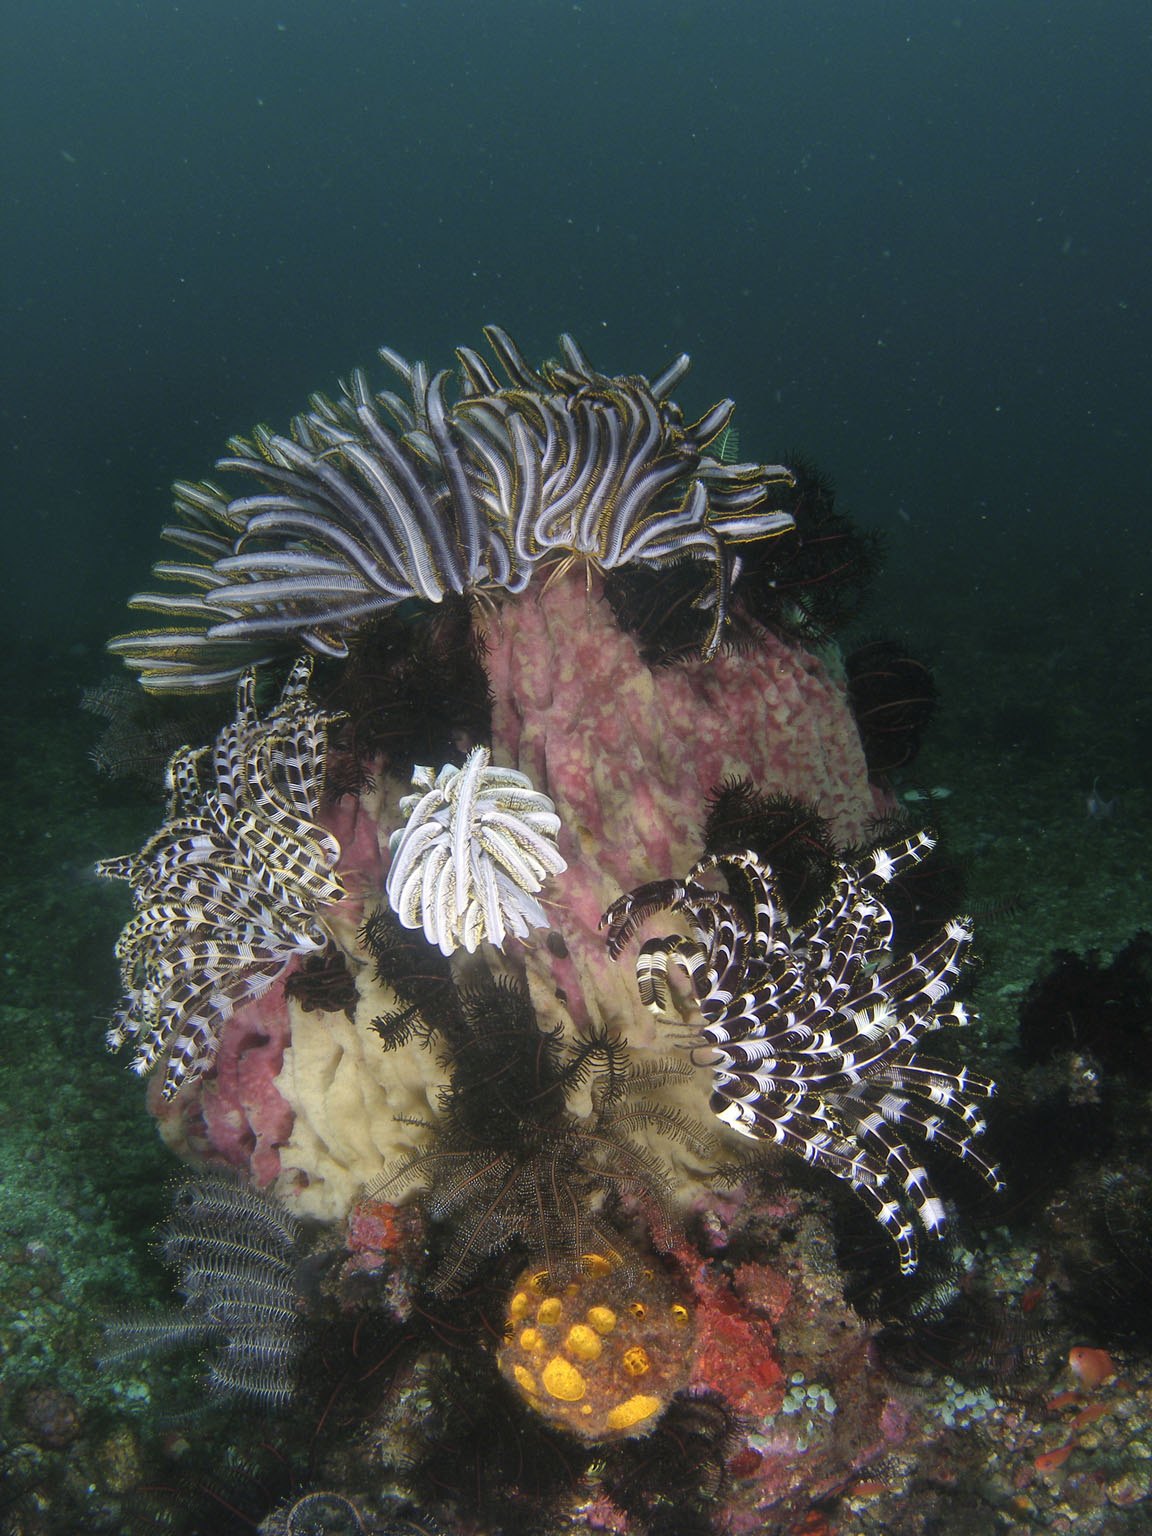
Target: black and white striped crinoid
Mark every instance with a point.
(227, 890)
(811, 1031)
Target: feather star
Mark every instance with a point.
(227, 889)
(812, 1030)
(477, 845)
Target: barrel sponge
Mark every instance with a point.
(630, 753)
(358, 1108)
(602, 1354)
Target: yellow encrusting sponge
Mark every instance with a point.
(601, 1355)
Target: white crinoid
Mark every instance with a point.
(477, 844)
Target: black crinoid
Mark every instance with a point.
(807, 584)
(794, 840)
(816, 578)
(414, 690)
(669, 1481)
(141, 733)
(949, 1319)
(323, 983)
(893, 698)
(788, 834)
(235, 1250)
(512, 1165)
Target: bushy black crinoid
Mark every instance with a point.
(947, 1319)
(323, 983)
(1080, 1075)
(804, 584)
(788, 834)
(792, 837)
(669, 1481)
(1075, 1149)
(419, 975)
(1078, 1135)
(1102, 1011)
(816, 581)
(893, 698)
(1099, 1231)
(414, 690)
(142, 732)
(513, 1166)
(510, 1164)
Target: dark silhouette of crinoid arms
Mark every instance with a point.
(893, 698)
(805, 584)
(512, 1165)
(787, 833)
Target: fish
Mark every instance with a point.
(1100, 809)
(1090, 1366)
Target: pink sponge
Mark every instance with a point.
(235, 1113)
(630, 753)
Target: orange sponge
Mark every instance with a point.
(601, 1355)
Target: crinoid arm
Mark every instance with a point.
(628, 913)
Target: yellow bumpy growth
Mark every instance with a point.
(601, 1355)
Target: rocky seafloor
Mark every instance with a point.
(825, 1394)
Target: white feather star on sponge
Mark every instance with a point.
(478, 843)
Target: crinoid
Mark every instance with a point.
(420, 976)
(812, 1029)
(1106, 1222)
(235, 1251)
(414, 689)
(324, 984)
(672, 1479)
(806, 583)
(784, 832)
(815, 578)
(374, 501)
(141, 732)
(893, 698)
(478, 843)
(228, 890)
(513, 1165)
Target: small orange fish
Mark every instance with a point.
(1090, 1415)
(1091, 1366)
(870, 1489)
(1063, 1399)
(1053, 1459)
(1031, 1296)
